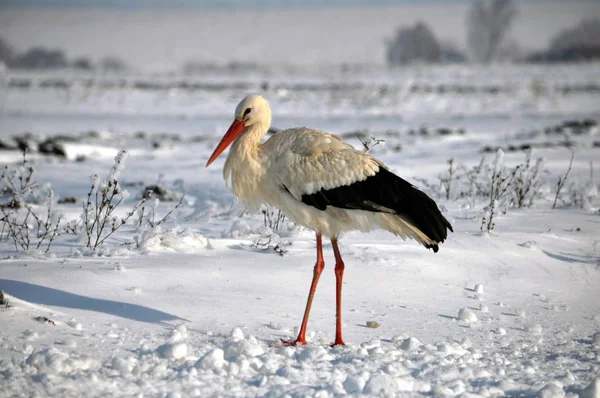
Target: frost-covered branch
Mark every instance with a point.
(527, 181)
(27, 227)
(103, 198)
(149, 217)
(501, 179)
(562, 180)
(447, 179)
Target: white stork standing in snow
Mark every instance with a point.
(320, 182)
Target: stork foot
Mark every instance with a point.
(293, 343)
(338, 342)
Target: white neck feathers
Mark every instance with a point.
(244, 165)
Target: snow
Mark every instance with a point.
(593, 390)
(464, 314)
(174, 239)
(198, 305)
(410, 344)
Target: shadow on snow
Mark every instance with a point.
(572, 258)
(53, 297)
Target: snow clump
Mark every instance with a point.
(214, 359)
(553, 389)
(467, 315)
(592, 390)
(520, 312)
(410, 344)
(54, 360)
(173, 351)
(175, 239)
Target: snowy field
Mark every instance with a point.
(197, 305)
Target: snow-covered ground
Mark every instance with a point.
(197, 305)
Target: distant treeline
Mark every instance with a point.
(43, 58)
(488, 28)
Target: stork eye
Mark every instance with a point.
(247, 111)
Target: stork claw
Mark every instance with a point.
(338, 343)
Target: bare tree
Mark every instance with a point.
(112, 64)
(414, 44)
(41, 58)
(488, 23)
(577, 43)
(585, 35)
(6, 52)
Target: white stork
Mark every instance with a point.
(320, 182)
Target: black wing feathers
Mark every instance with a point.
(386, 192)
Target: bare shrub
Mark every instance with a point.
(582, 194)
(267, 244)
(17, 184)
(562, 180)
(26, 224)
(447, 179)
(527, 181)
(149, 217)
(370, 143)
(500, 182)
(500, 186)
(272, 217)
(474, 186)
(103, 198)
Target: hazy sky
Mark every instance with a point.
(158, 37)
(245, 4)
(200, 4)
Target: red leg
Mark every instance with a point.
(313, 287)
(339, 274)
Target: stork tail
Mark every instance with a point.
(387, 193)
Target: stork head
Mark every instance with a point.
(253, 111)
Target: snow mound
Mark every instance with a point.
(467, 315)
(239, 228)
(410, 344)
(237, 334)
(453, 348)
(74, 324)
(528, 245)
(520, 312)
(176, 239)
(381, 385)
(173, 351)
(535, 329)
(238, 364)
(214, 359)
(53, 360)
(354, 384)
(593, 390)
(553, 389)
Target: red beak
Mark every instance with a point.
(235, 129)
